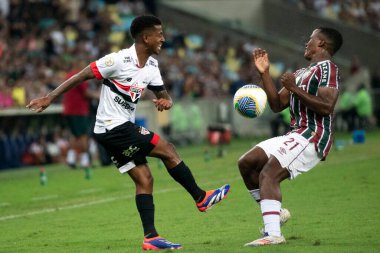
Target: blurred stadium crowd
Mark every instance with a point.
(364, 14)
(38, 47)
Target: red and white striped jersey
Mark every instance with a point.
(314, 127)
(124, 81)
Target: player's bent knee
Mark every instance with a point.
(267, 175)
(146, 182)
(273, 174)
(243, 164)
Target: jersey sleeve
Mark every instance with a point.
(106, 67)
(156, 83)
(329, 75)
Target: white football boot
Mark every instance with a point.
(284, 216)
(266, 240)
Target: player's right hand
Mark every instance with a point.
(261, 60)
(39, 104)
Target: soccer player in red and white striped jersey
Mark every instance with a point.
(311, 94)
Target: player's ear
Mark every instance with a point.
(144, 37)
(325, 45)
(321, 43)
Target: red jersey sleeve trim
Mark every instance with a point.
(155, 139)
(95, 70)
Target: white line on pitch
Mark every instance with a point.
(91, 203)
(92, 190)
(45, 197)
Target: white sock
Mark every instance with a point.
(71, 156)
(271, 215)
(84, 160)
(255, 195)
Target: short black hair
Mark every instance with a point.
(334, 36)
(143, 22)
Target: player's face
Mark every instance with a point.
(155, 39)
(312, 45)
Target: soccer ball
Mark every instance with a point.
(250, 101)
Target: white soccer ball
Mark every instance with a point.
(250, 101)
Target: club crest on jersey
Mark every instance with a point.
(143, 131)
(135, 92)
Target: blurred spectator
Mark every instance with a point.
(37, 151)
(18, 94)
(6, 99)
(244, 78)
(57, 147)
(346, 111)
(375, 80)
(76, 109)
(355, 65)
(375, 85)
(364, 14)
(280, 124)
(364, 107)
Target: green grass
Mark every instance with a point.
(334, 207)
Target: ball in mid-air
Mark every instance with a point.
(250, 100)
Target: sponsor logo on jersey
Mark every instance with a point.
(123, 103)
(325, 69)
(130, 151)
(127, 59)
(152, 63)
(144, 131)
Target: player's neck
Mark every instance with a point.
(321, 56)
(142, 54)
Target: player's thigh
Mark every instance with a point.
(254, 158)
(164, 150)
(274, 171)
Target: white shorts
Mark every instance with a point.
(293, 151)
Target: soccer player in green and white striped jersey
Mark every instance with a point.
(311, 94)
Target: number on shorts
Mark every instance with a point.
(290, 141)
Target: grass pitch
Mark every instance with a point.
(334, 207)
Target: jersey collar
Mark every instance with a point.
(318, 63)
(134, 56)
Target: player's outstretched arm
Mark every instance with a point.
(163, 101)
(40, 104)
(277, 102)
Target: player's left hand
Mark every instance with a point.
(288, 80)
(162, 104)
